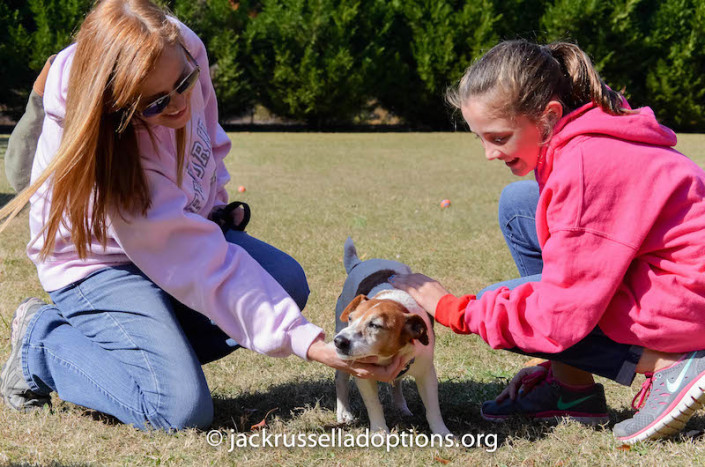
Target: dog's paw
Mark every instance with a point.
(379, 428)
(343, 416)
(443, 431)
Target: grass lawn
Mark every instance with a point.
(308, 192)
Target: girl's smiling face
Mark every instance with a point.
(169, 71)
(514, 140)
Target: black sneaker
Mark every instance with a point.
(13, 387)
(549, 400)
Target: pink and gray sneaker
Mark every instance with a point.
(667, 400)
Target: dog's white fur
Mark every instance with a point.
(422, 368)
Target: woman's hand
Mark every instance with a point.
(235, 217)
(426, 291)
(364, 368)
(523, 382)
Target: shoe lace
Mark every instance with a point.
(644, 391)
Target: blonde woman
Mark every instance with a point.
(126, 184)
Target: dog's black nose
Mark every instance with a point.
(342, 343)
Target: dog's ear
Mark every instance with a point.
(415, 327)
(352, 306)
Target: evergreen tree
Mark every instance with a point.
(519, 19)
(676, 83)
(16, 76)
(311, 59)
(31, 32)
(613, 33)
(431, 43)
(221, 24)
(323, 61)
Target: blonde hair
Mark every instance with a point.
(523, 77)
(97, 167)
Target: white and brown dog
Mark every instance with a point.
(375, 319)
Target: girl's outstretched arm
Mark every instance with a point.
(426, 291)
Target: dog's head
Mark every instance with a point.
(378, 327)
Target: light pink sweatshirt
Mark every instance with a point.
(175, 245)
(621, 223)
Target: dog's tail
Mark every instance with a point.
(350, 259)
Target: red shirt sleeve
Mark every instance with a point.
(450, 312)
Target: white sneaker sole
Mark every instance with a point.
(674, 421)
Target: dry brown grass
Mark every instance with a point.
(309, 192)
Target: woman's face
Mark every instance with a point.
(169, 71)
(514, 140)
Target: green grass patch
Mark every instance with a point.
(308, 192)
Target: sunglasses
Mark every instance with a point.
(158, 105)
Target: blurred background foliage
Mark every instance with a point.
(329, 62)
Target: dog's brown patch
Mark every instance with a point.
(415, 328)
(393, 326)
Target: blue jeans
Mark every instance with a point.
(116, 343)
(596, 353)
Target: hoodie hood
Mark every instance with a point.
(640, 127)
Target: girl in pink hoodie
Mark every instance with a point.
(131, 238)
(610, 242)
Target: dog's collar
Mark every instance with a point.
(408, 365)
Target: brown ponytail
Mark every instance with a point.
(583, 82)
(522, 78)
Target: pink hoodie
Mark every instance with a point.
(621, 223)
(175, 245)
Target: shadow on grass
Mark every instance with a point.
(460, 405)
(460, 402)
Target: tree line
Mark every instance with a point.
(325, 62)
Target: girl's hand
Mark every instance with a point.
(426, 291)
(364, 368)
(523, 382)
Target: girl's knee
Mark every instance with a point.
(517, 199)
(518, 196)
